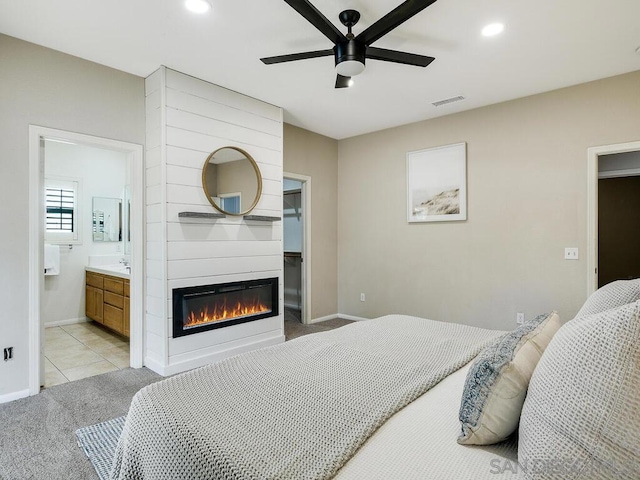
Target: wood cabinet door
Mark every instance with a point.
(94, 303)
(127, 313)
(127, 309)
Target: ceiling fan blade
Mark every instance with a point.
(317, 19)
(391, 20)
(342, 81)
(398, 57)
(296, 56)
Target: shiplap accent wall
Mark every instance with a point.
(187, 119)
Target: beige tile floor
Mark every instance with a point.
(82, 350)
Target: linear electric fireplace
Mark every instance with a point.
(202, 308)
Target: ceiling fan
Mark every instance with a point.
(351, 51)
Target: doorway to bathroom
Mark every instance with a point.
(296, 207)
(86, 246)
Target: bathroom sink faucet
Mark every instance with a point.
(126, 265)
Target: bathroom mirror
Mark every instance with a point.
(232, 181)
(107, 219)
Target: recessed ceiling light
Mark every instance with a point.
(197, 6)
(492, 29)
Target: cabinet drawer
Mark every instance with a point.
(113, 317)
(126, 288)
(94, 279)
(113, 299)
(114, 285)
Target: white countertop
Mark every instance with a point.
(114, 270)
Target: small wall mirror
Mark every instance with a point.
(107, 219)
(232, 181)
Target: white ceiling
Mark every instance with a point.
(547, 44)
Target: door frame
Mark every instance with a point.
(592, 205)
(305, 201)
(134, 154)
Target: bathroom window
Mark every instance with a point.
(230, 202)
(61, 210)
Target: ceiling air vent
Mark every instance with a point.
(446, 101)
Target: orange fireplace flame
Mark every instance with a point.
(223, 311)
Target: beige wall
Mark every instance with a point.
(527, 200)
(307, 153)
(47, 88)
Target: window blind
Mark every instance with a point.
(60, 209)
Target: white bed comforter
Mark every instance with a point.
(419, 443)
(294, 411)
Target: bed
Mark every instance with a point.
(382, 399)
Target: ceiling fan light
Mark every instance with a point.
(197, 6)
(492, 29)
(350, 68)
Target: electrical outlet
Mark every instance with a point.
(519, 318)
(8, 353)
(362, 297)
(571, 253)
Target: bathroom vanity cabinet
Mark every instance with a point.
(107, 301)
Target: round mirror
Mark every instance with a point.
(232, 181)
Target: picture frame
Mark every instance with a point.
(437, 184)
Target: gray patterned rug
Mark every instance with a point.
(99, 444)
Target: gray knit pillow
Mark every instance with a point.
(581, 417)
(497, 382)
(611, 295)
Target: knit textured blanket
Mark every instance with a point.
(298, 410)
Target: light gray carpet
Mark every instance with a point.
(37, 434)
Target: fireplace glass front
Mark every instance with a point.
(202, 308)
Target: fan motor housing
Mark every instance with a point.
(352, 50)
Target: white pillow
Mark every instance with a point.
(581, 417)
(611, 295)
(497, 382)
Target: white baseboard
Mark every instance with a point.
(155, 366)
(70, 321)
(179, 367)
(344, 316)
(337, 315)
(323, 319)
(10, 397)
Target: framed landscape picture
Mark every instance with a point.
(437, 184)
